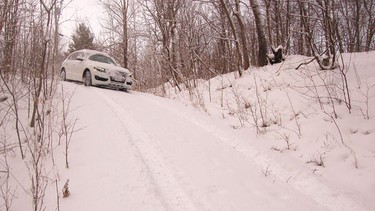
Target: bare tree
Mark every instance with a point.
(29, 31)
(262, 56)
(234, 33)
(225, 39)
(67, 124)
(245, 53)
(370, 9)
(118, 13)
(9, 22)
(164, 13)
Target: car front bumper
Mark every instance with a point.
(106, 80)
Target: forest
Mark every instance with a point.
(179, 41)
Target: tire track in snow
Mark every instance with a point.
(307, 184)
(172, 195)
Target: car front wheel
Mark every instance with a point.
(87, 78)
(63, 75)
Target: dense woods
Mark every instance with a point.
(176, 41)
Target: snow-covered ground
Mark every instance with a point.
(137, 151)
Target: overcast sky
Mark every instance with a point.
(87, 11)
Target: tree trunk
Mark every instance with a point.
(4, 14)
(357, 26)
(11, 17)
(222, 45)
(245, 53)
(239, 64)
(287, 27)
(125, 33)
(369, 6)
(262, 56)
(268, 19)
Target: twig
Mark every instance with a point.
(57, 196)
(267, 172)
(305, 63)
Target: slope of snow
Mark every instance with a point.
(137, 151)
(300, 129)
(145, 152)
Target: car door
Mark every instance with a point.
(76, 66)
(68, 65)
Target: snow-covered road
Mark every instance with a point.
(141, 152)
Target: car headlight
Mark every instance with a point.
(100, 69)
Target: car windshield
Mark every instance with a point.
(76, 55)
(102, 58)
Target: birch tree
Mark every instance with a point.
(262, 53)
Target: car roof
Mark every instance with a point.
(91, 52)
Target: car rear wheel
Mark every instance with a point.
(63, 75)
(87, 78)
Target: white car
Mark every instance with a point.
(97, 69)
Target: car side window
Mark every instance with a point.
(110, 61)
(102, 59)
(80, 55)
(96, 57)
(76, 55)
(73, 56)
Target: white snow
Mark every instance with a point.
(137, 151)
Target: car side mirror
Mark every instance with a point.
(80, 58)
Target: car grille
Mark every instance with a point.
(117, 80)
(120, 77)
(100, 78)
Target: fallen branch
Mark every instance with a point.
(305, 63)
